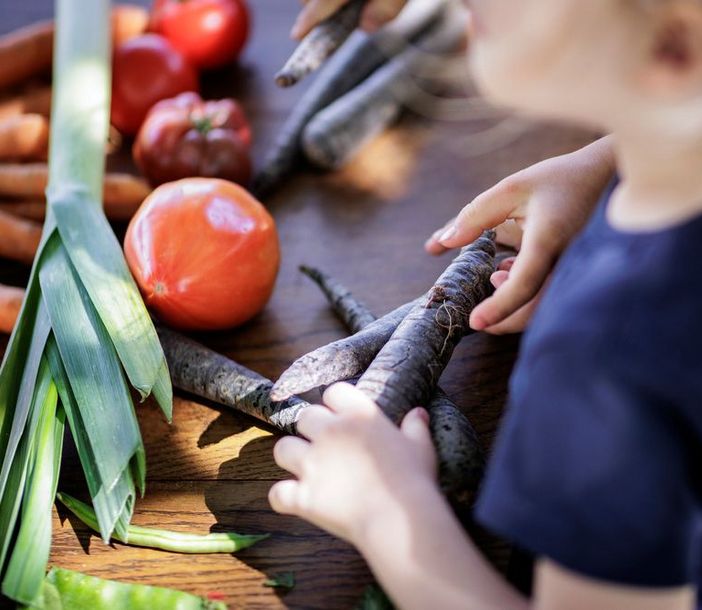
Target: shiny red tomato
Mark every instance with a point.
(146, 70)
(204, 253)
(209, 33)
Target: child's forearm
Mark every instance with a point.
(422, 557)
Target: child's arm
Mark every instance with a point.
(374, 485)
(538, 211)
(375, 14)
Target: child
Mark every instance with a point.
(596, 468)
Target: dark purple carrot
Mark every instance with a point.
(459, 455)
(406, 371)
(352, 313)
(355, 60)
(338, 131)
(320, 43)
(343, 359)
(203, 372)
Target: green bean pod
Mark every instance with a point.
(177, 542)
(69, 590)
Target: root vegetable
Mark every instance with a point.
(406, 371)
(355, 60)
(352, 313)
(343, 359)
(27, 52)
(32, 100)
(30, 210)
(128, 21)
(320, 43)
(123, 193)
(459, 454)
(24, 137)
(207, 374)
(10, 304)
(36, 210)
(19, 238)
(338, 131)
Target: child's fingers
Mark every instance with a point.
(314, 421)
(283, 497)
(289, 453)
(510, 234)
(499, 277)
(486, 211)
(433, 246)
(345, 398)
(312, 14)
(526, 277)
(415, 426)
(516, 323)
(506, 264)
(378, 12)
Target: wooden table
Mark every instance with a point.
(212, 468)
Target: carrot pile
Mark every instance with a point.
(361, 89)
(459, 454)
(25, 105)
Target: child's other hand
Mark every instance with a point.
(538, 211)
(356, 468)
(375, 14)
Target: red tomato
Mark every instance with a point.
(204, 253)
(209, 33)
(146, 70)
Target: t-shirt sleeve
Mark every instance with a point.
(594, 469)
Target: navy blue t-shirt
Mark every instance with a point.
(598, 465)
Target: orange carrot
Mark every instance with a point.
(31, 100)
(123, 193)
(19, 238)
(128, 21)
(36, 210)
(24, 137)
(27, 52)
(10, 303)
(31, 210)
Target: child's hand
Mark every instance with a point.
(375, 14)
(356, 467)
(538, 211)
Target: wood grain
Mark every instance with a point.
(211, 469)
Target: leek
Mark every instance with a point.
(83, 335)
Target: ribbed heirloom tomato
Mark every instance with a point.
(204, 253)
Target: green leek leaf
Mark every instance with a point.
(25, 571)
(113, 506)
(93, 370)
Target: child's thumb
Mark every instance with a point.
(415, 426)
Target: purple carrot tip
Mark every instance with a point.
(285, 79)
(280, 393)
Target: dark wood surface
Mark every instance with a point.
(211, 469)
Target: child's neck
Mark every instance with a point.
(661, 183)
